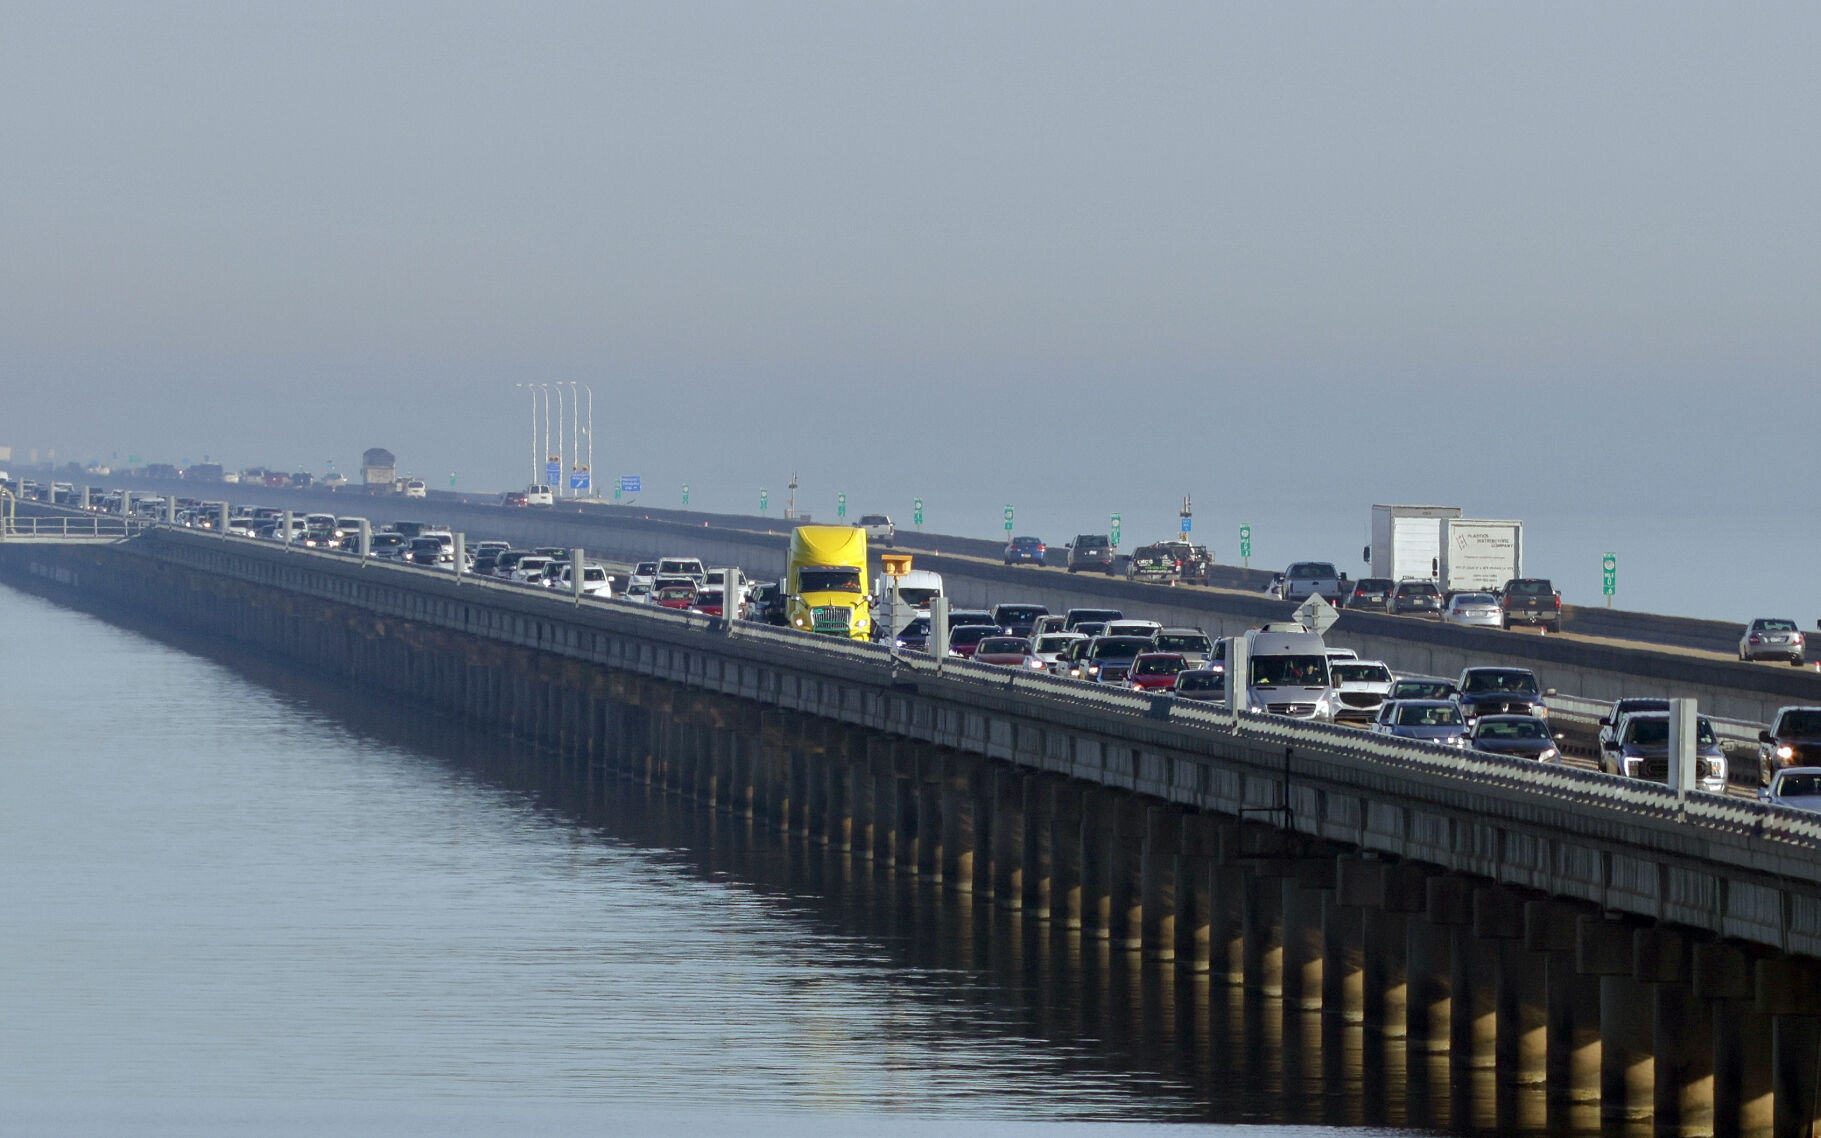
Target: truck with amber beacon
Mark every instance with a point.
(825, 587)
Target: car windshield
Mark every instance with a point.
(1417, 588)
(1198, 681)
(970, 634)
(1155, 665)
(1018, 614)
(1440, 715)
(1528, 588)
(1799, 785)
(676, 593)
(918, 598)
(1654, 732)
(839, 579)
(1486, 680)
(1053, 643)
(873, 519)
(1117, 649)
(1511, 729)
(1183, 642)
(1775, 625)
(1312, 569)
(1421, 689)
(1801, 723)
(1290, 671)
(1466, 599)
(1351, 672)
(1006, 644)
(1091, 539)
(1372, 585)
(646, 569)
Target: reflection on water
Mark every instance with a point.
(241, 900)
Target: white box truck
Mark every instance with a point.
(1480, 554)
(1407, 541)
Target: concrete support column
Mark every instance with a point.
(1681, 1032)
(878, 824)
(1520, 1044)
(1264, 935)
(1069, 861)
(1429, 960)
(1603, 949)
(1725, 975)
(838, 808)
(1008, 791)
(1039, 851)
(1305, 962)
(1125, 872)
(960, 825)
(1343, 982)
(930, 857)
(1229, 886)
(1157, 898)
(1196, 846)
(1099, 831)
(1789, 991)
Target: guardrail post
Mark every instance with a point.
(461, 553)
(365, 540)
(575, 574)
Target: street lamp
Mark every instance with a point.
(575, 432)
(594, 488)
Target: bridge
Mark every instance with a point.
(1599, 945)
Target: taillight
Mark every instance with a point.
(1558, 602)
(1752, 639)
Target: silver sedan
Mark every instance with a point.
(1771, 639)
(1481, 610)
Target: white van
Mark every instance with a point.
(916, 590)
(1288, 675)
(539, 495)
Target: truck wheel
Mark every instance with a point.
(1556, 627)
(1795, 661)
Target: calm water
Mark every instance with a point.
(237, 901)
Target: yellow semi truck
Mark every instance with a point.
(825, 588)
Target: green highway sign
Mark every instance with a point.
(764, 497)
(840, 505)
(1008, 519)
(686, 493)
(1609, 574)
(1113, 537)
(1245, 541)
(917, 510)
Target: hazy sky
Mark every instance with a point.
(1552, 261)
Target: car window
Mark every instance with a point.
(1775, 625)
(1510, 729)
(1802, 723)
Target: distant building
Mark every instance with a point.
(204, 472)
(378, 468)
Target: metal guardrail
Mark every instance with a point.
(66, 528)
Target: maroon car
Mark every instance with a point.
(963, 640)
(1011, 651)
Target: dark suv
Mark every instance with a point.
(1370, 594)
(1092, 552)
(1794, 740)
(1416, 596)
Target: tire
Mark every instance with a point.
(1795, 661)
(1555, 628)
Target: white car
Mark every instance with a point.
(1796, 787)
(1050, 646)
(1133, 628)
(879, 529)
(1360, 687)
(643, 574)
(1474, 610)
(415, 488)
(690, 567)
(595, 581)
(531, 570)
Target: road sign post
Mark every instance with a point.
(1113, 535)
(1245, 546)
(1609, 576)
(1008, 522)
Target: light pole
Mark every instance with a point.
(575, 434)
(594, 488)
(560, 463)
(544, 455)
(532, 388)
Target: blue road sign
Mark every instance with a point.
(629, 483)
(553, 474)
(578, 480)
(1185, 525)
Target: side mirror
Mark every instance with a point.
(1766, 737)
(1366, 554)
(1548, 691)
(1560, 735)
(1610, 745)
(1605, 722)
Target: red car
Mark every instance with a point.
(674, 597)
(515, 498)
(963, 639)
(1156, 671)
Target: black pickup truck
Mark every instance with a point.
(1532, 600)
(1154, 563)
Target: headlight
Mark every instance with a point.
(798, 621)
(1786, 752)
(1093, 669)
(1548, 755)
(1541, 711)
(1631, 767)
(1453, 740)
